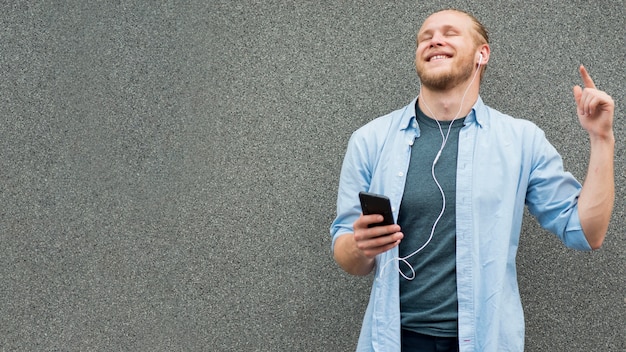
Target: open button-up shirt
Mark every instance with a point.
(504, 164)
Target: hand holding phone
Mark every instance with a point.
(372, 203)
(372, 239)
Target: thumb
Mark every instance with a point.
(578, 92)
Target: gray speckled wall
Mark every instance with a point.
(168, 172)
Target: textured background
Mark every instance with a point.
(168, 171)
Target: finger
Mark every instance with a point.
(364, 220)
(593, 101)
(379, 231)
(373, 252)
(578, 92)
(585, 100)
(587, 108)
(592, 104)
(385, 248)
(375, 245)
(363, 231)
(588, 82)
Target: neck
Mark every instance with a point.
(452, 103)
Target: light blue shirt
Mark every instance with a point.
(503, 165)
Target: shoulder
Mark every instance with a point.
(383, 122)
(379, 136)
(386, 125)
(499, 122)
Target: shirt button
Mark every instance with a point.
(400, 173)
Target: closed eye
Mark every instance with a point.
(424, 38)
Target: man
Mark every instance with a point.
(458, 175)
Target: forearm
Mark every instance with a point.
(350, 258)
(597, 196)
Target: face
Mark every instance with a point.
(447, 50)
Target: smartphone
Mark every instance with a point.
(373, 203)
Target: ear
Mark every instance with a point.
(482, 57)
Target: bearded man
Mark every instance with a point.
(459, 175)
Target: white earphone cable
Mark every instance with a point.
(443, 196)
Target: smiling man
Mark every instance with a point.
(459, 174)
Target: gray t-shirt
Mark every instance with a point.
(428, 304)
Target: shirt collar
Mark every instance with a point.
(477, 115)
(408, 117)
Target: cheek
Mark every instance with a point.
(419, 50)
(419, 53)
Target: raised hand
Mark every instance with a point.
(595, 108)
(595, 111)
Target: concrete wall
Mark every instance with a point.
(168, 171)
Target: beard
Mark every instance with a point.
(443, 80)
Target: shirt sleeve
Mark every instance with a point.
(355, 177)
(552, 195)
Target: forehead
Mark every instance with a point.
(447, 18)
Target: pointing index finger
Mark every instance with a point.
(588, 82)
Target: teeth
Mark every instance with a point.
(438, 57)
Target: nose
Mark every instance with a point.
(436, 40)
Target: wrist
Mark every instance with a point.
(350, 258)
(607, 138)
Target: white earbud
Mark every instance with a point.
(480, 59)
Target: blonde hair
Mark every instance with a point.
(482, 35)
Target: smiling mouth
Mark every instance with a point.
(438, 57)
